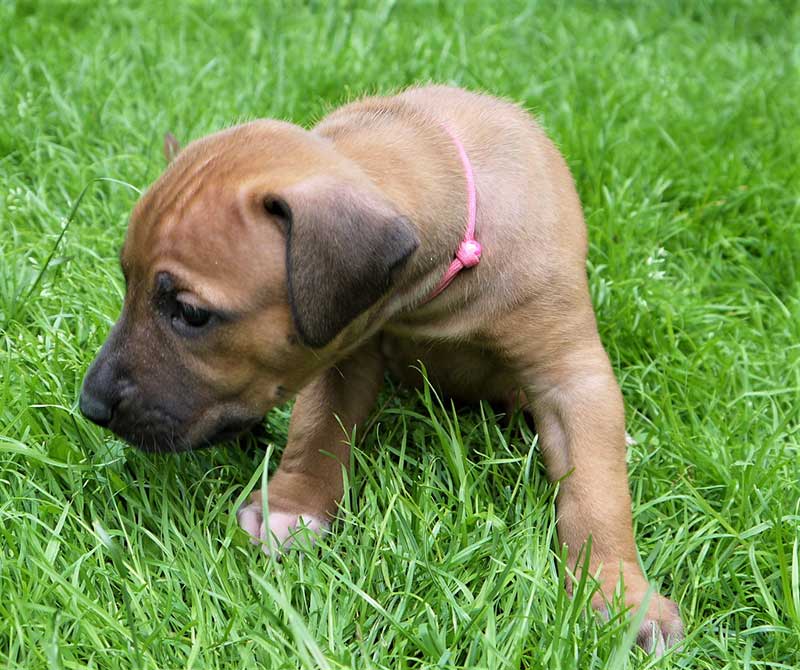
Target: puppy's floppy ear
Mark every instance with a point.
(171, 147)
(344, 242)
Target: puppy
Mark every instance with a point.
(270, 261)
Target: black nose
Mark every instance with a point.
(97, 410)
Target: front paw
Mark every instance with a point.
(661, 628)
(282, 528)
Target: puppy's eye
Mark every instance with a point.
(191, 315)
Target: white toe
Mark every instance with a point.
(250, 521)
(286, 528)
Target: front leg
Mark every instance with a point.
(308, 485)
(579, 414)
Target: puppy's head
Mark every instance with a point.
(245, 263)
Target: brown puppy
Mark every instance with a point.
(270, 260)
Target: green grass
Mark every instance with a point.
(680, 121)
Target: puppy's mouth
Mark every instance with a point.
(162, 437)
(230, 429)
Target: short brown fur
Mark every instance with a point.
(521, 321)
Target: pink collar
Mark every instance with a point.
(469, 251)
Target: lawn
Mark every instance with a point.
(680, 122)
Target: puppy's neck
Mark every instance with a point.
(409, 156)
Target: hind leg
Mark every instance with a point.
(577, 407)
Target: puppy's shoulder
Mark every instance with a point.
(373, 111)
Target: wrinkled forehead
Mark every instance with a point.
(200, 222)
(209, 167)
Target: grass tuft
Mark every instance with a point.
(679, 121)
